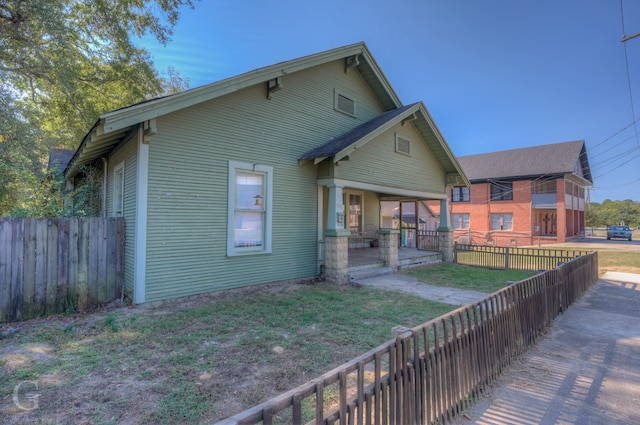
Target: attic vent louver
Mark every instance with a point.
(346, 105)
(403, 145)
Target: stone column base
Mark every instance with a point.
(336, 259)
(445, 243)
(388, 247)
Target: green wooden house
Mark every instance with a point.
(256, 178)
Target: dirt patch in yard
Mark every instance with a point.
(194, 361)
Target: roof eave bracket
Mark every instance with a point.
(273, 86)
(351, 62)
(410, 118)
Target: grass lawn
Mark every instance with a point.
(626, 262)
(467, 277)
(196, 362)
(201, 361)
(613, 259)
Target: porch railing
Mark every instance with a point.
(428, 240)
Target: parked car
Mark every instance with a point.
(623, 232)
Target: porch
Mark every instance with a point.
(367, 262)
(365, 258)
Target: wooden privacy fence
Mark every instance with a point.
(49, 266)
(496, 257)
(430, 373)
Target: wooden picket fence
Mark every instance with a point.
(50, 266)
(431, 373)
(496, 257)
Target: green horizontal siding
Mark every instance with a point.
(377, 162)
(188, 173)
(128, 154)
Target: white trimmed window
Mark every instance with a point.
(118, 190)
(249, 215)
(460, 221)
(501, 221)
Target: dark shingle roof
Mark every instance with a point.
(58, 159)
(334, 146)
(545, 160)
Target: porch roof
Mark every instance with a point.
(416, 114)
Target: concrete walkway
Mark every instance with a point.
(395, 282)
(585, 371)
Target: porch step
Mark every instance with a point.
(366, 272)
(425, 260)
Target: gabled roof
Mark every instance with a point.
(58, 159)
(415, 113)
(552, 160)
(113, 127)
(348, 140)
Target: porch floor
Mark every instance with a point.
(369, 256)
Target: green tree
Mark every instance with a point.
(68, 61)
(613, 212)
(62, 64)
(20, 154)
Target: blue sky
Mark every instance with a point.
(494, 75)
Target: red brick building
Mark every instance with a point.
(521, 197)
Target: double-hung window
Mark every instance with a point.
(461, 221)
(501, 191)
(118, 190)
(460, 194)
(502, 221)
(249, 215)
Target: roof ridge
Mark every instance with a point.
(525, 148)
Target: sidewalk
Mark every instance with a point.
(585, 371)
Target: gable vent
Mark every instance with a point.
(345, 104)
(403, 145)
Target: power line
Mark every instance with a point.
(616, 186)
(614, 169)
(626, 59)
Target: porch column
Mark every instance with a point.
(445, 233)
(336, 240)
(388, 247)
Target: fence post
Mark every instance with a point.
(506, 259)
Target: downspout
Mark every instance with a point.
(105, 163)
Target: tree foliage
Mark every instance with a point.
(20, 153)
(65, 62)
(613, 212)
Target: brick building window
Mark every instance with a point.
(544, 187)
(502, 221)
(460, 194)
(460, 221)
(501, 191)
